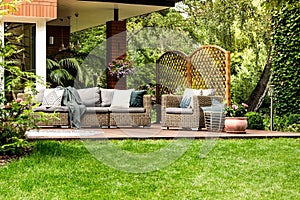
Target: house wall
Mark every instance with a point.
(37, 12)
(61, 35)
(37, 8)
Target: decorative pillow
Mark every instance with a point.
(121, 99)
(208, 92)
(90, 96)
(187, 99)
(215, 102)
(53, 97)
(136, 99)
(106, 96)
(185, 102)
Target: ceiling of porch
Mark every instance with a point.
(93, 13)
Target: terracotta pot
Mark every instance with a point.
(235, 124)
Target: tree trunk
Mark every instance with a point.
(257, 96)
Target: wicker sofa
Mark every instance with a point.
(99, 111)
(193, 118)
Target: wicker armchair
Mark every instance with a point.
(193, 118)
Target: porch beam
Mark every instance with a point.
(116, 14)
(168, 3)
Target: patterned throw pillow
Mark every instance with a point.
(53, 97)
(187, 100)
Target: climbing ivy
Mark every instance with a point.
(286, 58)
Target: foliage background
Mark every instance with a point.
(286, 59)
(252, 30)
(239, 27)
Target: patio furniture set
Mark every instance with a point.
(129, 108)
(206, 67)
(103, 107)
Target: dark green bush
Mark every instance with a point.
(286, 58)
(255, 121)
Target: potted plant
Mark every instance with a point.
(236, 120)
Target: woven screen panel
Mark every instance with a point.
(209, 69)
(172, 72)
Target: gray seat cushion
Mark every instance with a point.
(173, 110)
(97, 109)
(51, 109)
(218, 108)
(128, 110)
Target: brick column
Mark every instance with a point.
(115, 48)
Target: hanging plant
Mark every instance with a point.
(121, 67)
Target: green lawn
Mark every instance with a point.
(234, 169)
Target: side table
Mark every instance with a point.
(214, 121)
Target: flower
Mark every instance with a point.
(236, 110)
(19, 100)
(120, 67)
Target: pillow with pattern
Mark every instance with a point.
(187, 100)
(53, 97)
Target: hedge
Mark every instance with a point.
(286, 59)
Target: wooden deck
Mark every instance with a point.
(153, 132)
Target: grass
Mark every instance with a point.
(233, 169)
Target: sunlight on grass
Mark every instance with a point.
(234, 169)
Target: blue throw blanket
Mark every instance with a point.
(75, 106)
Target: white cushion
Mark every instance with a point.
(52, 97)
(187, 99)
(121, 99)
(106, 96)
(208, 92)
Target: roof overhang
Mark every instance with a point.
(92, 12)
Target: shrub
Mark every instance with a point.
(287, 123)
(15, 120)
(16, 115)
(255, 121)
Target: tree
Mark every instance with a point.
(63, 72)
(242, 27)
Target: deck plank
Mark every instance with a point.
(153, 132)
